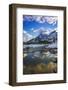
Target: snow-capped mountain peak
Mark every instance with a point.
(43, 37)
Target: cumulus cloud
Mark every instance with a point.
(48, 19)
(41, 19)
(51, 20)
(28, 17)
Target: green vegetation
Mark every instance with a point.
(39, 42)
(43, 42)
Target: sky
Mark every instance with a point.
(33, 25)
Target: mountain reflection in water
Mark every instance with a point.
(38, 59)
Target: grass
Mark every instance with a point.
(40, 68)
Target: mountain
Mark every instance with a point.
(26, 36)
(52, 36)
(44, 38)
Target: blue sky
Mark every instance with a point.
(33, 25)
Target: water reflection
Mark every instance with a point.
(39, 59)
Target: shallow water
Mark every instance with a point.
(35, 56)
